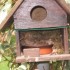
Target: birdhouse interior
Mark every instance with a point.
(40, 39)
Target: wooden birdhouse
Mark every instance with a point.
(41, 28)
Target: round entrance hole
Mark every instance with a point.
(38, 13)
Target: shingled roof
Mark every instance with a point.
(62, 3)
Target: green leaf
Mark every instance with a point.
(4, 65)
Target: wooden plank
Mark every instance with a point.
(55, 17)
(48, 57)
(66, 40)
(18, 50)
(63, 4)
(14, 8)
(31, 52)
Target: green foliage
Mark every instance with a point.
(7, 49)
(57, 65)
(3, 66)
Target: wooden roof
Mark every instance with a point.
(62, 3)
(14, 8)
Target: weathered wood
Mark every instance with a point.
(63, 4)
(14, 8)
(18, 49)
(48, 57)
(26, 18)
(31, 52)
(8, 25)
(55, 16)
(66, 40)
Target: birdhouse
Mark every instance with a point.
(41, 29)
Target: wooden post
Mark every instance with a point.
(66, 40)
(18, 52)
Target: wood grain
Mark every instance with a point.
(55, 16)
(49, 57)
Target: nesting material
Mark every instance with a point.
(38, 39)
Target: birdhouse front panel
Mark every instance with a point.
(39, 14)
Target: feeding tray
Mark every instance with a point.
(50, 57)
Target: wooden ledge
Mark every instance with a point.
(49, 57)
